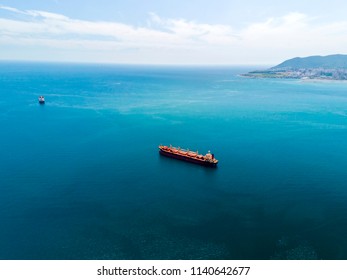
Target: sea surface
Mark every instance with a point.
(81, 176)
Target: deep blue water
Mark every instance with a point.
(81, 177)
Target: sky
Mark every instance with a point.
(198, 32)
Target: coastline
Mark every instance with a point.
(304, 79)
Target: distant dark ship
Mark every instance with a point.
(42, 99)
(186, 155)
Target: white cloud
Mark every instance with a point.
(171, 40)
(190, 30)
(11, 9)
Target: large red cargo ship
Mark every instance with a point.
(194, 157)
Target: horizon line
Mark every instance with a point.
(135, 64)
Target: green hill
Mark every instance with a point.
(330, 67)
(336, 61)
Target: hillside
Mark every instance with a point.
(335, 61)
(331, 67)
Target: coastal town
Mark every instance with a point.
(302, 73)
(331, 67)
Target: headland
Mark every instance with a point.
(331, 67)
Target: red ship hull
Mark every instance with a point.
(188, 159)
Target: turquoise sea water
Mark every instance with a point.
(81, 177)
